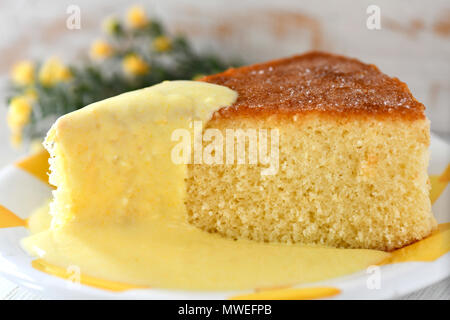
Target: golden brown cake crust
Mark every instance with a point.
(318, 82)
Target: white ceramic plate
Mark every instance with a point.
(21, 192)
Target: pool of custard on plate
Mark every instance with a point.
(165, 251)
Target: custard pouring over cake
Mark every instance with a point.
(352, 173)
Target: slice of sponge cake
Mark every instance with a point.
(353, 156)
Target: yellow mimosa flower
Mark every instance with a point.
(101, 49)
(136, 17)
(19, 112)
(22, 73)
(162, 43)
(135, 65)
(53, 71)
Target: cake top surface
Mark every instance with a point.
(317, 81)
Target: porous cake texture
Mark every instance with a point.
(353, 156)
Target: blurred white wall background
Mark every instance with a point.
(413, 43)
